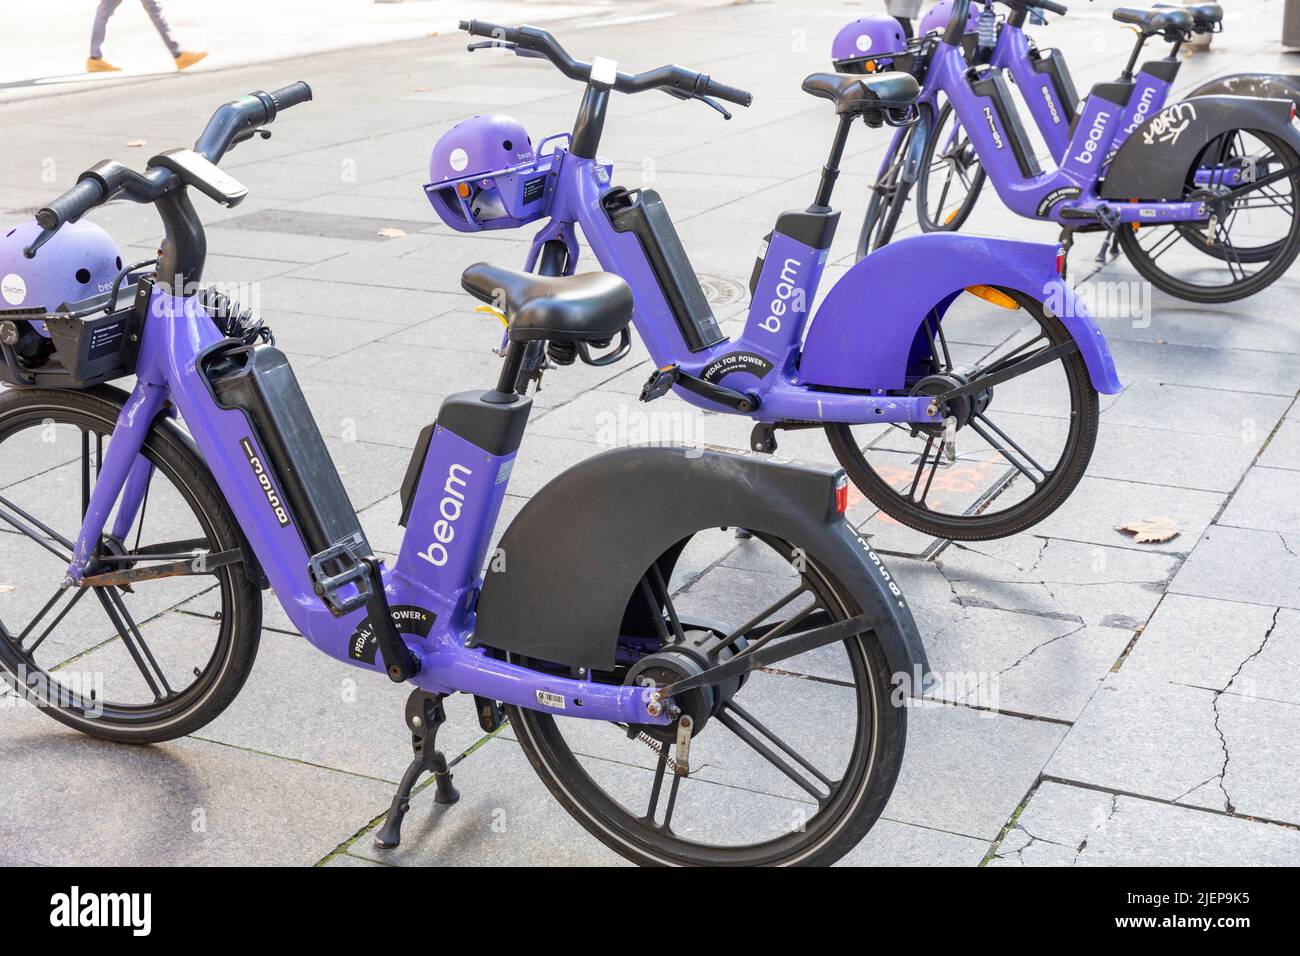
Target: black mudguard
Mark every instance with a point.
(575, 554)
(1154, 161)
(1277, 86)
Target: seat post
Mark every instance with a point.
(514, 361)
(1133, 57)
(831, 171)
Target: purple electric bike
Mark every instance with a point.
(141, 528)
(955, 376)
(1200, 195)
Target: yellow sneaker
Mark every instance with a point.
(97, 64)
(189, 57)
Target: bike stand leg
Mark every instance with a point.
(424, 715)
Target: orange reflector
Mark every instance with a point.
(462, 190)
(952, 215)
(989, 294)
(841, 494)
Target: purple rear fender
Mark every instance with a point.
(862, 335)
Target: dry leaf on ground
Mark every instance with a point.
(1151, 530)
(135, 143)
(391, 232)
(6, 588)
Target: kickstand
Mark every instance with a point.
(424, 715)
(1109, 247)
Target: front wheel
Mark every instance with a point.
(1008, 455)
(951, 176)
(888, 197)
(1253, 235)
(789, 765)
(142, 662)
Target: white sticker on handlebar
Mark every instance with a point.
(604, 71)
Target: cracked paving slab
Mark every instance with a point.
(1023, 664)
(1086, 583)
(1203, 642)
(1211, 747)
(1072, 826)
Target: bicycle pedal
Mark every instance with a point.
(661, 381)
(335, 568)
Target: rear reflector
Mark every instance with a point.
(841, 494)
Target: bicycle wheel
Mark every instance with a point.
(888, 197)
(951, 176)
(138, 663)
(1257, 227)
(789, 765)
(1006, 473)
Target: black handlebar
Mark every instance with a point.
(1051, 7)
(230, 124)
(674, 79)
(72, 205)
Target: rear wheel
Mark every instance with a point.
(951, 176)
(789, 765)
(1251, 181)
(141, 663)
(1019, 447)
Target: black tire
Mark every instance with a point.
(986, 523)
(928, 220)
(215, 685)
(1276, 256)
(880, 733)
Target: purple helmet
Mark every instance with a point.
(871, 36)
(79, 262)
(937, 17)
(480, 146)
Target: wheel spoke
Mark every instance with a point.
(766, 613)
(656, 790)
(116, 610)
(975, 426)
(930, 442)
(41, 614)
(770, 755)
(781, 745)
(77, 595)
(1170, 236)
(47, 541)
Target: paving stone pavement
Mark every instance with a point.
(1129, 704)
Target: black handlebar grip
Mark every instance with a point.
(1058, 8)
(72, 205)
(480, 28)
(291, 95)
(729, 93)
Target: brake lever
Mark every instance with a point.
(45, 236)
(248, 134)
(716, 105)
(679, 95)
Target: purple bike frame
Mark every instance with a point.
(438, 570)
(1065, 194)
(770, 358)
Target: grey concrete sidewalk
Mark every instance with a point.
(1148, 705)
